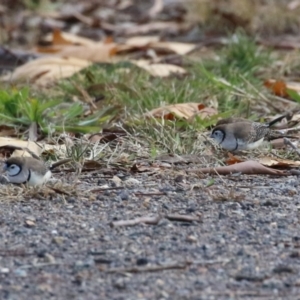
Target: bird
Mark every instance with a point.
(242, 134)
(28, 170)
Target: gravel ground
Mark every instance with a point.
(244, 241)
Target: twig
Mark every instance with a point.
(289, 143)
(182, 218)
(146, 220)
(40, 265)
(150, 194)
(150, 268)
(15, 252)
(154, 220)
(106, 189)
(60, 162)
(58, 191)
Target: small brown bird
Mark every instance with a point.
(26, 170)
(241, 134)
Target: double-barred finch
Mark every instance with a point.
(240, 134)
(26, 170)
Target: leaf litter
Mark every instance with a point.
(175, 201)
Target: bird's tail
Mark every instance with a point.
(271, 123)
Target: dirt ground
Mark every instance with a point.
(239, 239)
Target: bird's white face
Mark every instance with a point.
(12, 170)
(218, 136)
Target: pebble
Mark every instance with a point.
(142, 261)
(20, 272)
(4, 270)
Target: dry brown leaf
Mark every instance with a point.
(45, 70)
(174, 47)
(248, 167)
(10, 146)
(7, 131)
(180, 110)
(232, 159)
(137, 42)
(139, 29)
(280, 87)
(158, 70)
(142, 41)
(10, 143)
(204, 113)
(65, 38)
(278, 162)
(98, 52)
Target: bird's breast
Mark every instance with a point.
(39, 179)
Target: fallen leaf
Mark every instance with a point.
(7, 131)
(278, 87)
(232, 159)
(173, 47)
(278, 162)
(158, 70)
(9, 145)
(248, 167)
(138, 29)
(99, 52)
(204, 113)
(45, 70)
(142, 41)
(180, 110)
(65, 38)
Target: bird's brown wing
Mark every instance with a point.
(259, 131)
(35, 165)
(250, 132)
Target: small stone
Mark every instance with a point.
(116, 181)
(84, 264)
(132, 182)
(4, 270)
(272, 283)
(222, 216)
(160, 282)
(58, 240)
(295, 254)
(124, 195)
(142, 261)
(283, 269)
(20, 272)
(29, 223)
(49, 258)
(179, 178)
(44, 288)
(120, 284)
(191, 239)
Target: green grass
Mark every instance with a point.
(122, 93)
